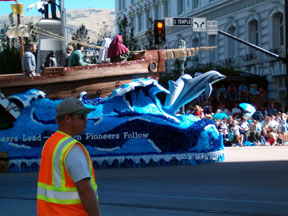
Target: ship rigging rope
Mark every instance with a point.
(46, 33)
(181, 53)
(169, 53)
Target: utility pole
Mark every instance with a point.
(63, 26)
(18, 12)
(286, 50)
(284, 60)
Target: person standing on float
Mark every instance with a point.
(117, 51)
(28, 60)
(76, 58)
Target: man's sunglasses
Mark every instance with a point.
(82, 117)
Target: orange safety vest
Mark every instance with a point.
(57, 194)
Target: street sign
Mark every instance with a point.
(182, 21)
(186, 21)
(168, 21)
(212, 27)
(199, 24)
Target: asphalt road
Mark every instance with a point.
(252, 181)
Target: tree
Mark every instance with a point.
(6, 42)
(104, 31)
(123, 26)
(126, 29)
(132, 43)
(10, 59)
(81, 34)
(150, 36)
(33, 37)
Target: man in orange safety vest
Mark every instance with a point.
(66, 182)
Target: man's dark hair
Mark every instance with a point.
(79, 45)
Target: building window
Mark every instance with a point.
(195, 59)
(121, 4)
(166, 10)
(253, 34)
(132, 22)
(212, 53)
(132, 2)
(278, 30)
(147, 14)
(195, 42)
(139, 22)
(281, 82)
(180, 6)
(281, 30)
(156, 13)
(231, 46)
(195, 4)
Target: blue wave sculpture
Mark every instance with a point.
(129, 128)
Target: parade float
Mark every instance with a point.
(129, 128)
(97, 80)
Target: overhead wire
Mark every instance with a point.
(46, 33)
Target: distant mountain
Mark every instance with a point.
(91, 18)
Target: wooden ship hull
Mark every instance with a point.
(97, 80)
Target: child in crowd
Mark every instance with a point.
(254, 134)
(223, 128)
(236, 131)
(244, 128)
(270, 140)
(284, 126)
(198, 111)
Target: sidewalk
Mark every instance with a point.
(256, 153)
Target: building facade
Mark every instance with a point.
(261, 22)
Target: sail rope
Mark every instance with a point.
(181, 53)
(169, 53)
(45, 33)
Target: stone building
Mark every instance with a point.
(260, 22)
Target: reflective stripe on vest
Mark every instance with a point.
(58, 179)
(58, 192)
(55, 196)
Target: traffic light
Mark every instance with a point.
(159, 31)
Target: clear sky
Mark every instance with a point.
(5, 6)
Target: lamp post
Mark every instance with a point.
(181, 44)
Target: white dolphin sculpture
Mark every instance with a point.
(181, 94)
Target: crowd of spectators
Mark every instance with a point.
(235, 92)
(268, 127)
(242, 92)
